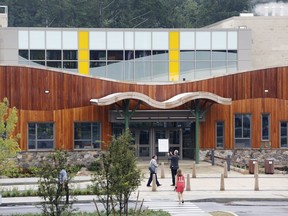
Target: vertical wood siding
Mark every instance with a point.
(70, 94)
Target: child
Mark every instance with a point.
(180, 185)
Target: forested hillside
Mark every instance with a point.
(122, 13)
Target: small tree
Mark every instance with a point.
(119, 175)
(49, 187)
(8, 139)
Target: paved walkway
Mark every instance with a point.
(205, 187)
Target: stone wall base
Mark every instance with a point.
(32, 159)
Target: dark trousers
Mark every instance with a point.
(173, 173)
(151, 178)
(65, 187)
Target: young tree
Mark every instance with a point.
(119, 175)
(54, 194)
(8, 139)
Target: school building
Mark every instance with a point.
(221, 87)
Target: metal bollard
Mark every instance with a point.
(154, 186)
(188, 187)
(256, 170)
(212, 157)
(162, 170)
(225, 170)
(193, 170)
(228, 162)
(256, 186)
(222, 185)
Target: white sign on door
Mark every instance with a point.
(163, 145)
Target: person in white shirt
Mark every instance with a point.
(63, 183)
(153, 170)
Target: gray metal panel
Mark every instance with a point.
(9, 38)
(244, 39)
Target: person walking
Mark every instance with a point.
(153, 170)
(180, 185)
(63, 183)
(174, 164)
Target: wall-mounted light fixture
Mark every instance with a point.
(266, 91)
(46, 91)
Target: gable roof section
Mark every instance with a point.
(173, 102)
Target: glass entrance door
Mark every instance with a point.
(174, 136)
(141, 142)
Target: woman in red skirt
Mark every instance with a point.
(180, 185)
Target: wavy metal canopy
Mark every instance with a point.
(173, 102)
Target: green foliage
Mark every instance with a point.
(118, 176)
(122, 13)
(49, 187)
(94, 166)
(19, 172)
(8, 140)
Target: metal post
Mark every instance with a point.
(212, 157)
(197, 113)
(228, 162)
(126, 113)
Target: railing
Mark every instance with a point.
(227, 160)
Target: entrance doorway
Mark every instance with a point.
(180, 135)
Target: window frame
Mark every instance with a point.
(286, 137)
(37, 139)
(97, 142)
(249, 139)
(269, 126)
(216, 134)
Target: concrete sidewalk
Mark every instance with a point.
(205, 187)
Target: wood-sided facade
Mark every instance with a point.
(68, 100)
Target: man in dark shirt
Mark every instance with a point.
(174, 166)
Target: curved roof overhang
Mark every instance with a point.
(173, 102)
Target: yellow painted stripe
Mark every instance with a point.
(83, 52)
(174, 54)
(83, 40)
(83, 67)
(83, 55)
(174, 40)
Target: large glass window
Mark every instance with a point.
(87, 135)
(284, 134)
(98, 55)
(37, 54)
(40, 136)
(114, 55)
(53, 55)
(70, 55)
(219, 134)
(265, 123)
(24, 54)
(242, 130)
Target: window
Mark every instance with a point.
(265, 124)
(53, 55)
(87, 135)
(242, 130)
(37, 54)
(70, 55)
(219, 134)
(40, 136)
(283, 134)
